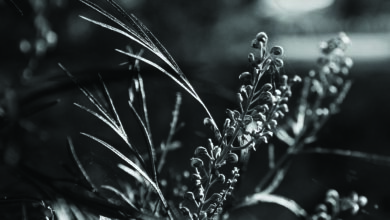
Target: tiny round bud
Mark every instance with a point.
(354, 196)
(344, 38)
(273, 123)
(278, 62)
(195, 176)
(283, 108)
(262, 37)
(255, 43)
(332, 202)
(354, 209)
(348, 62)
(251, 58)
(297, 78)
(240, 98)
(362, 201)
(202, 215)
(201, 151)
(216, 197)
(207, 122)
(189, 196)
(221, 178)
(232, 158)
(277, 51)
(332, 193)
(321, 208)
(217, 152)
(322, 216)
(196, 162)
(284, 79)
(185, 211)
(266, 87)
(245, 76)
(211, 208)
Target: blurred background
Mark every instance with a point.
(210, 40)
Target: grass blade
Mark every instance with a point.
(80, 166)
(113, 18)
(373, 158)
(275, 199)
(89, 95)
(132, 164)
(133, 173)
(112, 108)
(150, 148)
(184, 86)
(109, 27)
(123, 197)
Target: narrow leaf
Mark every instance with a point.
(80, 166)
(132, 173)
(373, 158)
(187, 89)
(109, 27)
(132, 164)
(123, 197)
(112, 108)
(275, 199)
(150, 148)
(89, 95)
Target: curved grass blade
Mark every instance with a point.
(123, 196)
(108, 15)
(80, 166)
(150, 148)
(109, 27)
(133, 173)
(132, 164)
(113, 123)
(155, 65)
(143, 36)
(89, 95)
(143, 102)
(112, 108)
(275, 199)
(372, 158)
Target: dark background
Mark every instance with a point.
(210, 40)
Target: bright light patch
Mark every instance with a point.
(300, 6)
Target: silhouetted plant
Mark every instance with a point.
(270, 105)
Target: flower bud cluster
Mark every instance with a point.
(262, 100)
(334, 206)
(201, 203)
(260, 106)
(329, 79)
(324, 89)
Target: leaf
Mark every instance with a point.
(147, 135)
(275, 199)
(123, 196)
(113, 122)
(162, 70)
(132, 164)
(111, 104)
(132, 173)
(78, 163)
(373, 158)
(140, 34)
